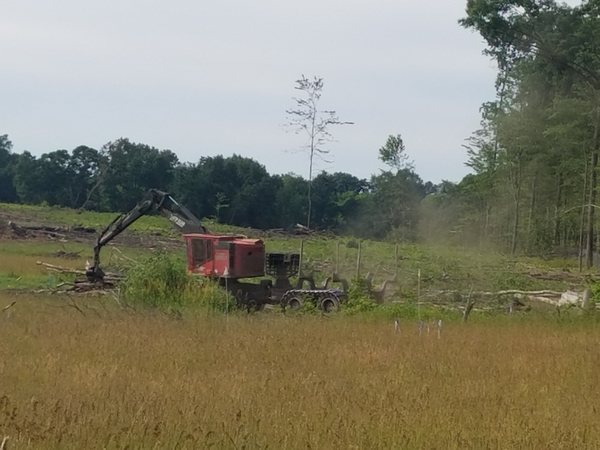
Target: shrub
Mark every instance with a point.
(162, 281)
(595, 289)
(359, 299)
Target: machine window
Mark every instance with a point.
(199, 252)
(209, 250)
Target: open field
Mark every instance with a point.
(110, 379)
(70, 217)
(441, 267)
(79, 372)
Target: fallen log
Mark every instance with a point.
(543, 293)
(83, 229)
(9, 306)
(545, 300)
(19, 231)
(300, 229)
(564, 276)
(42, 228)
(24, 230)
(83, 285)
(60, 268)
(53, 234)
(108, 276)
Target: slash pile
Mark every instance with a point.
(82, 284)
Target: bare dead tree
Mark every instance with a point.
(307, 119)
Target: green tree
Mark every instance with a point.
(88, 168)
(27, 177)
(246, 186)
(131, 170)
(393, 153)
(334, 203)
(291, 200)
(547, 51)
(396, 197)
(8, 193)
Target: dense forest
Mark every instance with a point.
(535, 157)
(233, 190)
(532, 186)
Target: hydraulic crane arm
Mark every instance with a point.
(155, 200)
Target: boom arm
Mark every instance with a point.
(156, 200)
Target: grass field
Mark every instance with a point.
(52, 215)
(441, 267)
(78, 372)
(112, 379)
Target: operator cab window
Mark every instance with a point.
(198, 252)
(209, 250)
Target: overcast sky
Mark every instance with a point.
(208, 77)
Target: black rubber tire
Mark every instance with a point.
(295, 303)
(330, 304)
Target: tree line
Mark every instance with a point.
(534, 159)
(233, 190)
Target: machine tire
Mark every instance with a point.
(329, 304)
(295, 302)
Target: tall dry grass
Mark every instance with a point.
(119, 380)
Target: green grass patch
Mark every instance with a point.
(162, 282)
(441, 267)
(57, 216)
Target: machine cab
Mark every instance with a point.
(225, 256)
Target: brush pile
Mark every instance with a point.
(82, 284)
(51, 232)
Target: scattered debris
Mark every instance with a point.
(83, 284)
(276, 232)
(300, 229)
(518, 305)
(570, 298)
(61, 269)
(81, 229)
(16, 229)
(23, 231)
(52, 232)
(513, 292)
(6, 308)
(565, 276)
(543, 293)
